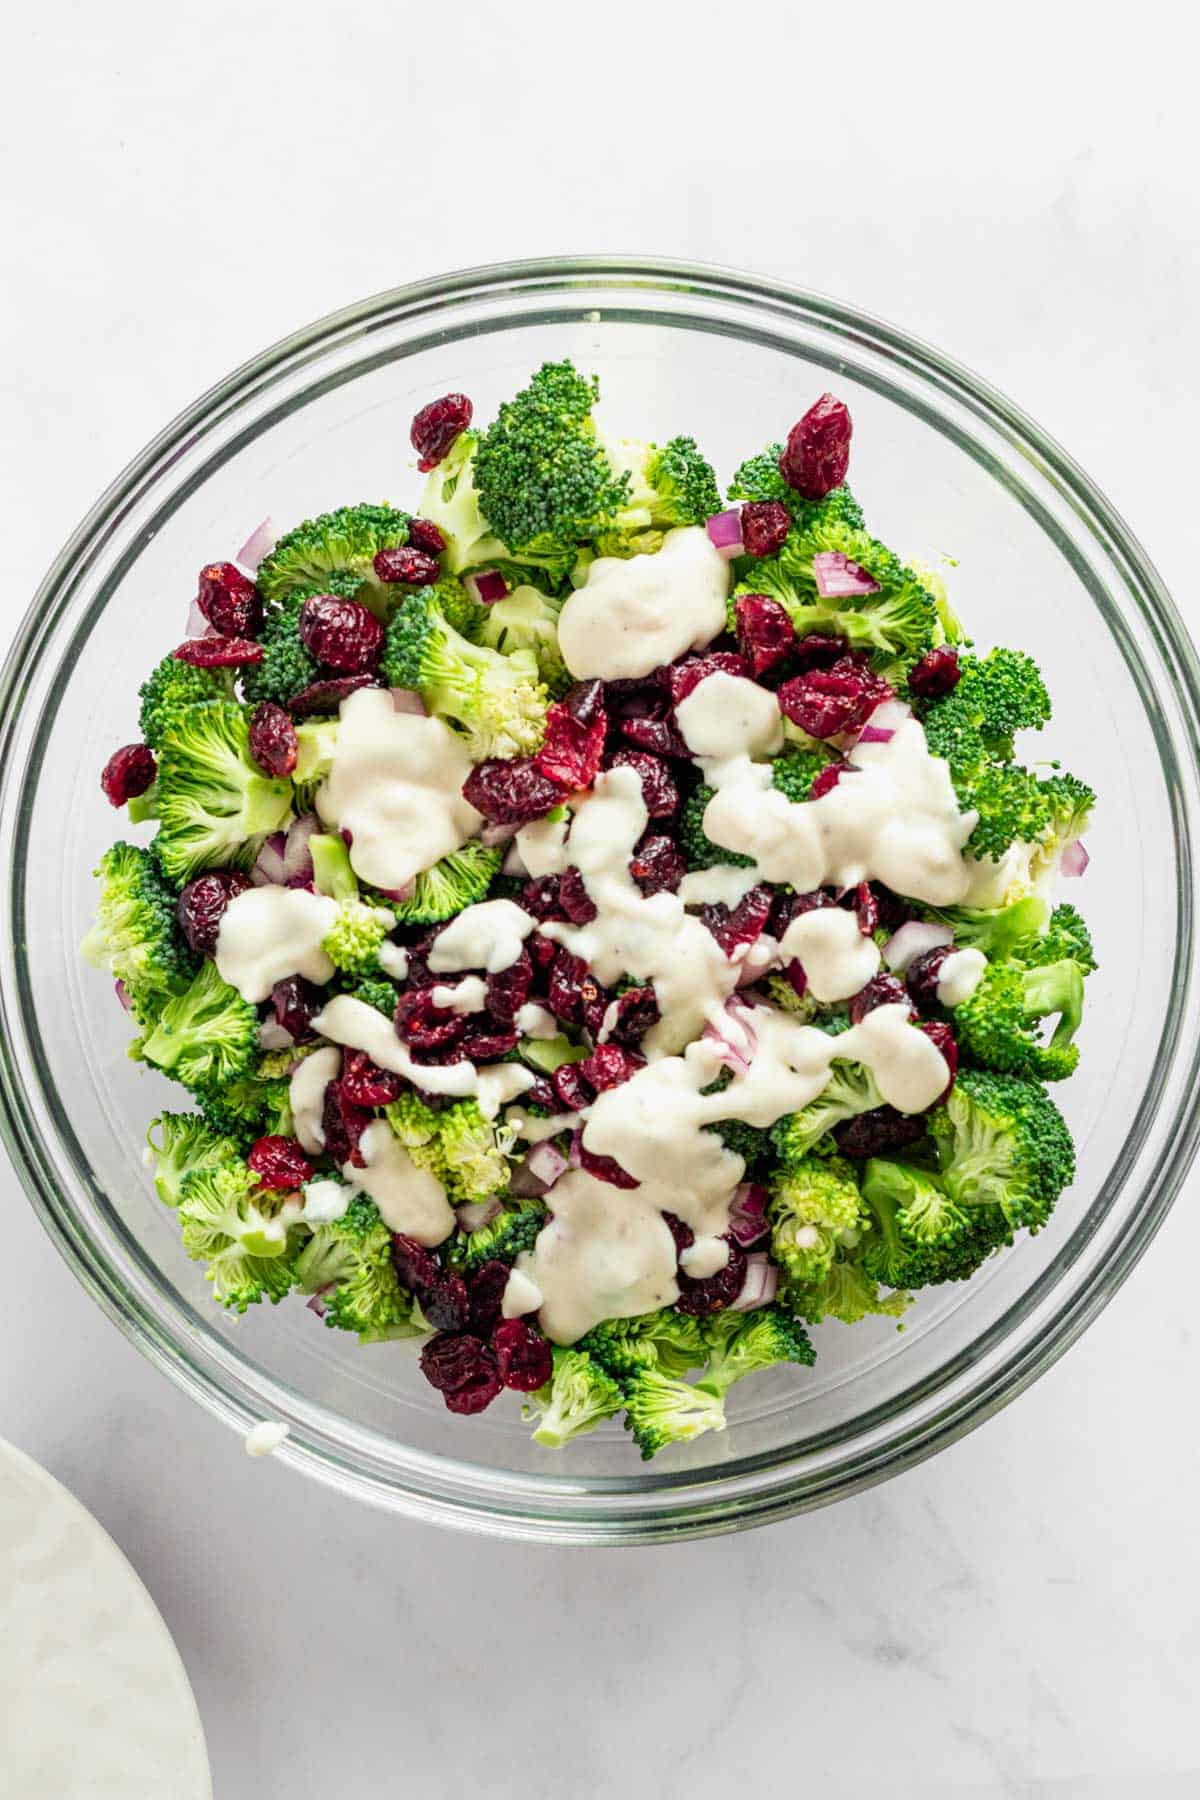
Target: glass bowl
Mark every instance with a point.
(944, 467)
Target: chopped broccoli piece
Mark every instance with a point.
(418, 1128)
(475, 1152)
(498, 701)
(208, 1034)
(213, 802)
(794, 772)
(353, 941)
(780, 992)
(316, 740)
(287, 664)
(1069, 802)
(1000, 694)
(578, 1396)
(699, 851)
(998, 931)
(760, 478)
(661, 1410)
(174, 685)
(1002, 1142)
(672, 1342)
(665, 487)
(135, 936)
(515, 1228)
(227, 1222)
(528, 621)
(451, 502)
(1066, 935)
(354, 1255)
(814, 1207)
(376, 992)
(845, 1292)
(450, 886)
(185, 1142)
(998, 1025)
(342, 543)
(921, 1236)
(254, 1105)
(740, 1344)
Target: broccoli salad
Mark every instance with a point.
(602, 930)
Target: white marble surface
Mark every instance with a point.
(1017, 1617)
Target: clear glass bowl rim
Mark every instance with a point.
(557, 1508)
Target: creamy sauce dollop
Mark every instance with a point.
(269, 933)
(632, 615)
(409, 1199)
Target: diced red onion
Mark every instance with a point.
(838, 578)
(514, 862)
(400, 894)
(473, 1215)
(748, 1214)
(267, 869)
(725, 533)
(197, 625)
(574, 1159)
(875, 734)
(297, 857)
(122, 993)
(737, 1044)
(492, 836)
(797, 974)
(883, 724)
(407, 700)
(913, 940)
(317, 1303)
(260, 543)
(547, 1162)
(1075, 859)
(761, 1283)
(525, 1184)
(487, 586)
(274, 1036)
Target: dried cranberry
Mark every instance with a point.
(636, 1011)
(876, 1132)
(540, 898)
(923, 972)
(585, 703)
(273, 741)
(477, 1395)
(541, 1094)
(525, 1359)
(661, 736)
(202, 904)
(445, 1304)
(229, 600)
(658, 866)
(128, 773)
(893, 911)
(573, 746)
(608, 1066)
(715, 1292)
(765, 634)
(797, 977)
(423, 534)
(484, 1040)
(512, 792)
(941, 1036)
(572, 1087)
(682, 678)
(659, 793)
(436, 426)
(825, 702)
(937, 673)
(408, 565)
(542, 951)
(418, 1270)
(827, 779)
(683, 1234)
(508, 989)
(744, 924)
(765, 525)
(342, 634)
(594, 1002)
(327, 696)
(881, 990)
(576, 903)
(817, 454)
(364, 1083)
(219, 652)
(565, 989)
(280, 1162)
(343, 1124)
(866, 908)
(605, 1168)
(463, 1369)
(787, 907)
(424, 1026)
(485, 1292)
(295, 1002)
(819, 651)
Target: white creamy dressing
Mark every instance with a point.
(488, 935)
(269, 933)
(396, 786)
(534, 1021)
(466, 996)
(534, 1129)
(499, 1083)
(409, 1199)
(704, 1258)
(393, 960)
(325, 1201)
(541, 845)
(837, 959)
(605, 1253)
(632, 615)
(520, 1296)
(265, 1438)
(959, 976)
(725, 884)
(306, 1094)
(725, 717)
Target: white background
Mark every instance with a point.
(187, 182)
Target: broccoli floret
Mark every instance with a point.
(1002, 1142)
(451, 502)
(353, 940)
(747, 1141)
(498, 701)
(900, 621)
(780, 992)
(353, 1254)
(213, 802)
(174, 685)
(998, 1025)
(450, 886)
(342, 543)
(477, 1166)
(1001, 693)
(227, 1222)
(376, 992)
(1000, 931)
(921, 1236)
(741, 1344)
(814, 1207)
(544, 482)
(515, 1228)
(699, 851)
(1069, 802)
(578, 1396)
(670, 1341)
(794, 772)
(254, 1105)
(661, 1410)
(668, 486)
(845, 1292)
(287, 664)
(185, 1142)
(207, 1035)
(1066, 936)
(527, 620)
(418, 1129)
(850, 1090)
(760, 478)
(135, 936)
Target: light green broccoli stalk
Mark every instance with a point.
(578, 1396)
(527, 621)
